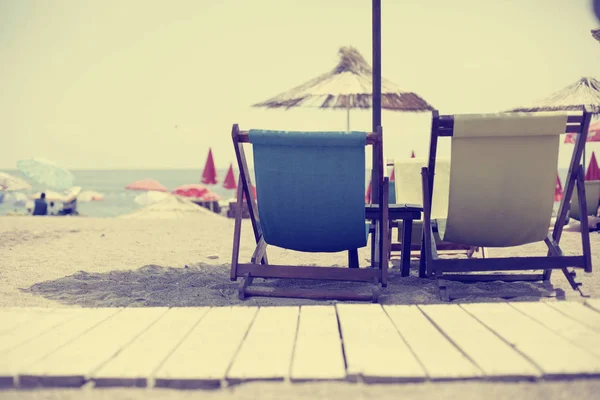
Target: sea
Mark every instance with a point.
(119, 201)
(111, 183)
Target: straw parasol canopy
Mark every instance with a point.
(171, 207)
(348, 85)
(579, 96)
(584, 92)
(596, 34)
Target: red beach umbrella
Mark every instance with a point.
(412, 154)
(593, 134)
(210, 196)
(192, 190)
(209, 175)
(253, 190)
(229, 182)
(593, 171)
(146, 184)
(558, 191)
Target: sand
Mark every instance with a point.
(95, 262)
(107, 262)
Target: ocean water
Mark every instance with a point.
(119, 201)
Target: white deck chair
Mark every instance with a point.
(502, 182)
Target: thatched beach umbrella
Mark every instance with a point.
(348, 85)
(581, 95)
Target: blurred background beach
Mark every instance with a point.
(119, 201)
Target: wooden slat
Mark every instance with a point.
(593, 303)
(554, 355)
(373, 347)
(202, 359)
(42, 322)
(18, 358)
(372, 137)
(13, 317)
(266, 353)
(138, 361)
(578, 312)
(308, 272)
(568, 328)
(491, 354)
(508, 263)
(74, 362)
(440, 357)
(318, 353)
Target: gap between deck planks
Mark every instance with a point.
(205, 347)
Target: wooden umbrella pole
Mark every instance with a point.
(376, 27)
(348, 117)
(376, 64)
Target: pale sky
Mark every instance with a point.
(107, 84)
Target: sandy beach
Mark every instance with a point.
(117, 262)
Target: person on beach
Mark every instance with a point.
(40, 206)
(69, 207)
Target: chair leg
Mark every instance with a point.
(406, 245)
(443, 292)
(246, 281)
(353, 258)
(422, 260)
(237, 233)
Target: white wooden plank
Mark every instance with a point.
(266, 352)
(32, 328)
(138, 361)
(578, 312)
(14, 360)
(491, 354)
(554, 355)
(568, 328)
(593, 303)
(12, 317)
(74, 362)
(318, 353)
(440, 357)
(202, 359)
(373, 347)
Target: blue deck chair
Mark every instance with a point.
(310, 191)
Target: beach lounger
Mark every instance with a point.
(592, 194)
(502, 182)
(408, 186)
(310, 189)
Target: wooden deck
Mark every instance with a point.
(212, 347)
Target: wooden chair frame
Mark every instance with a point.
(259, 267)
(448, 269)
